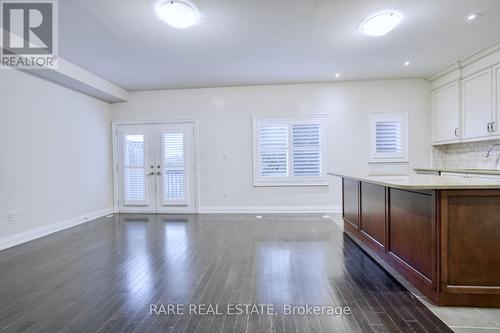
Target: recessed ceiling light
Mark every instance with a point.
(177, 13)
(472, 16)
(337, 75)
(381, 23)
(259, 217)
(407, 63)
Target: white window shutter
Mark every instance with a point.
(274, 163)
(273, 135)
(388, 136)
(273, 149)
(174, 167)
(289, 150)
(307, 150)
(134, 173)
(306, 135)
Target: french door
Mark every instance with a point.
(155, 168)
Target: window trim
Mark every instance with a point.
(291, 180)
(379, 157)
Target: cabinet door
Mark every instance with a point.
(446, 112)
(373, 200)
(470, 231)
(350, 201)
(412, 232)
(496, 115)
(477, 104)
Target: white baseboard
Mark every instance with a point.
(270, 209)
(27, 236)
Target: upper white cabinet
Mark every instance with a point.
(466, 98)
(496, 112)
(477, 101)
(446, 112)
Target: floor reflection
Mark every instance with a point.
(285, 268)
(167, 254)
(275, 276)
(178, 273)
(138, 261)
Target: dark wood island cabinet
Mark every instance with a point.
(441, 233)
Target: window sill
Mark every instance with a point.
(388, 160)
(291, 184)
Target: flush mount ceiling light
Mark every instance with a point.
(406, 63)
(179, 14)
(472, 16)
(381, 23)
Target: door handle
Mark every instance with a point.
(151, 174)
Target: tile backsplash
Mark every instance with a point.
(466, 156)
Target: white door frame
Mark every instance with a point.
(114, 134)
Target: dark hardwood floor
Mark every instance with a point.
(104, 276)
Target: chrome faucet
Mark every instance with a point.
(488, 153)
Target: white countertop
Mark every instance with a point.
(425, 182)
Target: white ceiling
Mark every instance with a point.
(242, 42)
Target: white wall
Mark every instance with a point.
(55, 157)
(225, 114)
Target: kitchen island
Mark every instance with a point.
(441, 233)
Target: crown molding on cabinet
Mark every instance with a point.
(468, 60)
